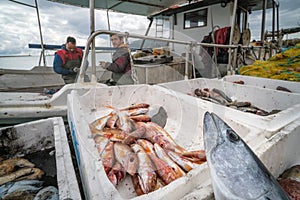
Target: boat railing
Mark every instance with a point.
(190, 45)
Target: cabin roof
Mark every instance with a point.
(159, 7)
(250, 5)
(137, 7)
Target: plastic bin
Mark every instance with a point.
(294, 87)
(266, 99)
(32, 138)
(184, 124)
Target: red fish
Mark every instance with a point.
(146, 170)
(108, 157)
(182, 162)
(163, 169)
(116, 174)
(136, 134)
(163, 156)
(127, 158)
(156, 134)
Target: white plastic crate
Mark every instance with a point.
(36, 136)
(264, 82)
(266, 99)
(184, 124)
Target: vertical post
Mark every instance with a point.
(172, 32)
(263, 24)
(147, 32)
(41, 36)
(273, 22)
(187, 53)
(108, 22)
(229, 67)
(277, 19)
(92, 29)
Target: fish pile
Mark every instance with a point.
(219, 97)
(130, 143)
(290, 182)
(19, 179)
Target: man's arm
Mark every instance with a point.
(120, 59)
(118, 66)
(57, 66)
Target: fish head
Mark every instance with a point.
(217, 133)
(131, 164)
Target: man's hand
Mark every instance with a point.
(102, 64)
(76, 69)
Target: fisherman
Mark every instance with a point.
(67, 60)
(120, 66)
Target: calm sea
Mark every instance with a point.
(27, 62)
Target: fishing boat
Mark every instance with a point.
(184, 124)
(83, 102)
(44, 144)
(34, 80)
(191, 22)
(189, 63)
(188, 23)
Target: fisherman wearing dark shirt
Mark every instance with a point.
(120, 66)
(67, 60)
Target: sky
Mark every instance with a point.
(19, 25)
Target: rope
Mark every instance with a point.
(133, 70)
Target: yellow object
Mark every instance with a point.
(161, 51)
(282, 66)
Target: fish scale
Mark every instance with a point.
(236, 172)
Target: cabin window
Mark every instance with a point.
(195, 19)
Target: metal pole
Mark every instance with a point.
(277, 18)
(92, 29)
(40, 29)
(213, 37)
(229, 67)
(262, 37)
(41, 36)
(273, 22)
(108, 22)
(186, 71)
(147, 32)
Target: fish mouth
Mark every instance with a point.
(213, 131)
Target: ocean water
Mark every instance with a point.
(23, 62)
(26, 62)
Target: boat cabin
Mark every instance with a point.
(212, 22)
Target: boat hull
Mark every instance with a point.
(34, 80)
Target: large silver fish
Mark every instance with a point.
(236, 172)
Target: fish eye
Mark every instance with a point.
(232, 136)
